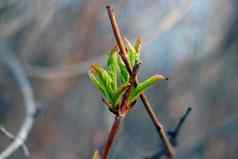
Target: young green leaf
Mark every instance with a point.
(132, 54)
(118, 95)
(96, 155)
(137, 57)
(103, 76)
(132, 57)
(104, 80)
(100, 87)
(113, 67)
(123, 73)
(141, 87)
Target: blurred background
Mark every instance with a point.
(193, 42)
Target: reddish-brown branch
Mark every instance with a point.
(123, 110)
(111, 137)
(119, 38)
(168, 147)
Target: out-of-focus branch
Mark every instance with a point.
(193, 145)
(25, 87)
(169, 21)
(9, 135)
(66, 71)
(17, 20)
(72, 70)
(173, 135)
(87, 19)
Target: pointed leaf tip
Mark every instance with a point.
(138, 44)
(96, 155)
(129, 45)
(102, 78)
(141, 87)
(161, 77)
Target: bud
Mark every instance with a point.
(138, 44)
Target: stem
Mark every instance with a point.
(111, 137)
(159, 127)
(123, 110)
(181, 122)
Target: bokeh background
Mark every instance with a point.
(193, 42)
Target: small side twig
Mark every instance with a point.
(173, 135)
(9, 135)
(159, 127)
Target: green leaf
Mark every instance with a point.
(133, 57)
(132, 54)
(112, 65)
(137, 57)
(100, 87)
(118, 95)
(137, 48)
(141, 87)
(96, 155)
(102, 75)
(123, 73)
(103, 78)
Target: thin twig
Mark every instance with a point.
(9, 135)
(194, 146)
(173, 135)
(119, 38)
(29, 104)
(111, 137)
(168, 147)
(181, 122)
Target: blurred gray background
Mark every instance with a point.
(193, 42)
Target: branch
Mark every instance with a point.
(172, 135)
(176, 15)
(111, 137)
(67, 71)
(29, 104)
(123, 110)
(9, 135)
(169, 148)
(194, 145)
